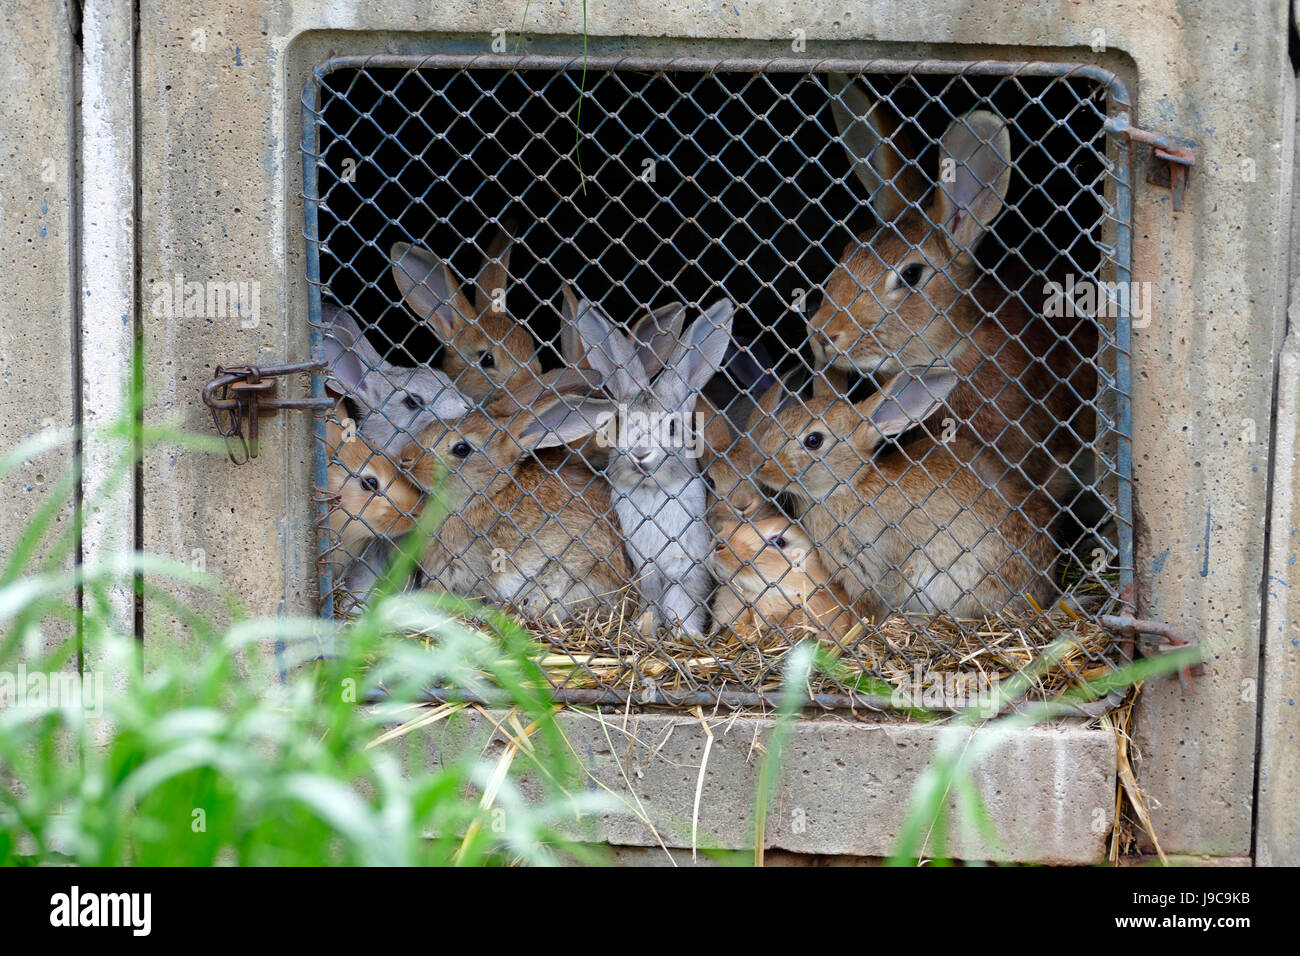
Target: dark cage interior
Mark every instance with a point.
(746, 197)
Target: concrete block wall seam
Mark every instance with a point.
(107, 243)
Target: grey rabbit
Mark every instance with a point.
(392, 400)
(659, 494)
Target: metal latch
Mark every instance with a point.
(1171, 158)
(1153, 638)
(250, 393)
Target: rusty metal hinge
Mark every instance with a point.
(1153, 638)
(1171, 157)
(250, 393)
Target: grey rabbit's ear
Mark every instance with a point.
(977, 151)
(884, 156)
(909, 398)
(430, 290)
(698, 356)
(347, 330)
(559, 422)
(355, 367)
(657, 335)
(610, 353)
(570, 341)
(494, 276)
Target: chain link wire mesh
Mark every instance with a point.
(693, 361)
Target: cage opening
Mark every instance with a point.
(441, 188)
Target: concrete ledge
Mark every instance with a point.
(844, 789)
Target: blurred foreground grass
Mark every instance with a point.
(255, 745)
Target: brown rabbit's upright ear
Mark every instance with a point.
(974, 174)
(430, 290)
(909, 398)
(492, 279)
(884, 156)
(559, 422)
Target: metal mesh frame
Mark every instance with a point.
(370, 102)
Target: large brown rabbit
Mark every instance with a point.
(772, 580)
(523, 532)
(911, 294)
(486, 348)
(912, 529)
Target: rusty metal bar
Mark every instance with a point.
(250, 379)
(1133, 627)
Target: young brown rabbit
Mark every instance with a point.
(375, 501)
(730, 459)
(913, 529)
(486, 348)
(911, 294)
(525, 532)
(771, 578)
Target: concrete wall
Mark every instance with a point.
(844, 787)
(219, 179)
(1277, 833)
(37, 374)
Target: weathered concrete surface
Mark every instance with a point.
(1277, 835)
(1185, 859)
(107, 241)
(213, 166)
(36, 236)
(658, 856)
(844, 786)
(219, 130)
(1202, 396)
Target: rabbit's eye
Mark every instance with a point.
(780, 541)
(461, 449)
(813, 440)
(413, 402)
(487, 360)
(370, 483)
(911, 274)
